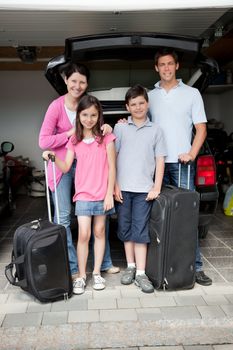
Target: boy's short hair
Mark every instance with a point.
(135, 91)
(164, 51)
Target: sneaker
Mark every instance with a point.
(202, 279)
(128, 275)
(79, 285)
(112, 269)
(143, 282)
(98, 282)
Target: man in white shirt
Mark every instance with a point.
(176, 108)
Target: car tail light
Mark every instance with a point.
(205, 171)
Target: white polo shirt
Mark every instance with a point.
(176, 111)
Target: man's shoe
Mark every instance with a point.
(202, 279)
(128, 275)
(112, 269)
(143, 282)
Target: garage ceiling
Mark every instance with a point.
(47, 30)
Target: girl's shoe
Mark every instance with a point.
(79, 285)
(98, 282)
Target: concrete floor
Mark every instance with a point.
(121, 317)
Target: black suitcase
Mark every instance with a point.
(173, 232)
(40, 263)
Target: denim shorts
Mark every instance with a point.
(86, 208)
(133, 217)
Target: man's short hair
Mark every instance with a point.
(135, 91)
(164, 51)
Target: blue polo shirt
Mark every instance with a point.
(176, 111)
(137, 149)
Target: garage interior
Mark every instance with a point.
(28, 40)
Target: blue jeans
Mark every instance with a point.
(65, 205)
(171, 178)
(64, 202)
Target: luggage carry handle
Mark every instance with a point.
(9, 272)
(52, 158)
(179, 175)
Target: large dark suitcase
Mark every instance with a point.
(40, 263)
(173, 232)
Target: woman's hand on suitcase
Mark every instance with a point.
(47, 154)
(152, 194)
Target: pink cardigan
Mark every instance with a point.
(53, 134)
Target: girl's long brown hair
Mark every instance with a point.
(86, 102)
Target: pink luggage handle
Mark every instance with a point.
(52, 158)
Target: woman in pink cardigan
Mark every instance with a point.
(57, 128)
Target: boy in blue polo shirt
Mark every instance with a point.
(140, 166)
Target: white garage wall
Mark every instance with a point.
(25, 96)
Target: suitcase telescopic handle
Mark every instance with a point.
(179, 174)
(52, 158)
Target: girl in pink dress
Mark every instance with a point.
(94, 184)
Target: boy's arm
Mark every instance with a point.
(65, 165)
(111, 155)
(117, 193)
(159, 171)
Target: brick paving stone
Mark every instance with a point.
(20, 297)
(129, 292)
(196, 290)
(52, 318)
(87, 295)
(223, 347)
(102, 304)
(157, 302)
(211, 311)
(228, 309)
(128, 303)
(175, 347)
(165, 293)
(38, 307)
(118, 315)
(71, 304)
(3, 298)
(2, 316)
(216, 299)
(83, 316)
(229, 297)
(13, 308)
(179, 313)
(198, 347)
(149, 314)
(219, 288)
(106, 293)
(185, 300)
(22, 320)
